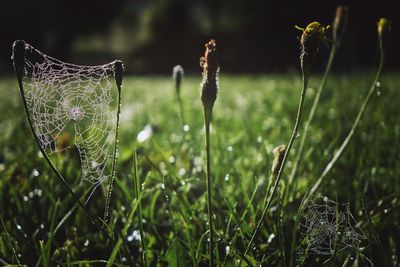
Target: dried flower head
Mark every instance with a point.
(310, 40)
(279, 152)
(210, 64)
(340, 22)
(384, 30)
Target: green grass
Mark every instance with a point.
(253, 115)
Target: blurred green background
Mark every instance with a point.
(152, 36)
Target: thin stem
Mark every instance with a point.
(182, 115)
(311, 115)
(114, 163)
(281, 168)
(138, 193)
(207, 120)
(10, 241)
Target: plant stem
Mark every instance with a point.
(182, 115)
(118, 77)
(207, 120)
(138, 193)
(281, 168)
(310, 118)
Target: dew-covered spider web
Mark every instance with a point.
(73, 107)
(328, 226)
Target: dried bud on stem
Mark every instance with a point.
(177, 76)
(384, 30)
(210, 64)
(279, 152)
(339, 23)
(310, 40)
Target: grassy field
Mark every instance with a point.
(252, 115)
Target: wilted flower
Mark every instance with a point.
(310, 40)
(340, 21)
(384, 29)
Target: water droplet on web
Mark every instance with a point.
(378, 93)
(86, 243)
(378, 84)
(19, 227)
(26, 198)
(385, 211)
(229, 148)
(297, 135)
(162, 186)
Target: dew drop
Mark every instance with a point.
(26, 198)
(271, 237)
(229, 148)
(227, 249)
(227, 177)
(182, 171)
(297, 135)
(186, 128)
(162, 186)
(35, 173)
(378, 84)
(171, 159)
(385, 211)
(86, 243)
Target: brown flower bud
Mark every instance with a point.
(340, 22)
(210, 64)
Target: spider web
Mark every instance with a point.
(327, 226)
(73, 106)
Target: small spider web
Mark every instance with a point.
(73, 106)
(328, 226)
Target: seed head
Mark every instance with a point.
(310, 40)
(279, 152)
(340, 22)
(210, 64)
(384, 30)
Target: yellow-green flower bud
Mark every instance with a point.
(310, 40)
(384, 30)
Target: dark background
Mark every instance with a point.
(152, 36)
